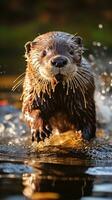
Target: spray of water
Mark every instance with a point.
(101, 62)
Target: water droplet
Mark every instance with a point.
(110, 62)
(94, 43)
(105, 48)
(10, 143)
(98, 44)
(2, 128)
(107, 89)
(102, 97)
(100, 26)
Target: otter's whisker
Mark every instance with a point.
(75, 83)
(17, 84)
(19, 77)
(82, 80)
(87, 79)
(86, 71)
(81, 89)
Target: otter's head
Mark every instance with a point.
(55, 55)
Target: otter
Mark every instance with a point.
(58, 89)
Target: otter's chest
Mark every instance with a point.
(60, 101)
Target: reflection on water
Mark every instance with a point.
(64, 167)
(63, 175)
(42, 180)
(65, 182)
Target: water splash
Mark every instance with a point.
(12, 130)
(101, 63)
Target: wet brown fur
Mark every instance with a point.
(50, 104)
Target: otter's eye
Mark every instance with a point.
(44, 53)
(71, 52)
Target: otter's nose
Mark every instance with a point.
(59, 62)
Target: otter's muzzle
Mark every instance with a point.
(59, 61)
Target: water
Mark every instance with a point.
(73, 170)
(52, 172)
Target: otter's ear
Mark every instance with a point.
(78, 40)
(28, 46)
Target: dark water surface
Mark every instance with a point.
(53, 173)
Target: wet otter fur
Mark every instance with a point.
(58, 90)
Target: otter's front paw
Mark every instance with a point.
(39, 129)
(40, 134)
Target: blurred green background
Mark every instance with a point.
(23, 20)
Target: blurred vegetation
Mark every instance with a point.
(23, 20)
